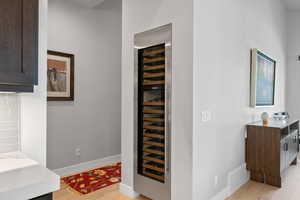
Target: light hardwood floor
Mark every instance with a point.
(256, 191)
(251, 191)
(108, 193)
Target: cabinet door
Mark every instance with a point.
(283, 154)
(290, 149)
(294, 149)
(18, 42)
(297, 142)
(292, 142)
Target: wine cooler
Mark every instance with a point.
(153, 51)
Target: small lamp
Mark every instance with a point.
(265, 118)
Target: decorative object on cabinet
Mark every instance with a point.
(60, 76)
(153, 51)
(265, 118)
(263, 70)
(19, 45)
(270, 149)
(281, 116)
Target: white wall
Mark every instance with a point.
(224, 33)
(293, 80)
(93, 121)
(139, 16)
(33, 111)
(9, 123)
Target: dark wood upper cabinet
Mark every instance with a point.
(18, 45)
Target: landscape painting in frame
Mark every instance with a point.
(263, 74)
(60, 75)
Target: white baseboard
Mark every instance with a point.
(236, 178)
(222, 195)
(73, 169)
(128, 191)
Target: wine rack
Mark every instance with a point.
(152, 112)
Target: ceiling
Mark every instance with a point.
(90, 3)
(292, 4)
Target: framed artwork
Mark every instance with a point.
(60, 73)
(263, 75)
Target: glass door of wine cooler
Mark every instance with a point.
(152, 113)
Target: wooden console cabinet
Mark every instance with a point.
(271, 149)
(44, 197)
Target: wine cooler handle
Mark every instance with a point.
(168, 142)
(167, 154)
(168, 106)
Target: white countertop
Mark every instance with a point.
(275, 123)
(14, 160)
(23, 179)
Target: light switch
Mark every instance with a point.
(206, 116)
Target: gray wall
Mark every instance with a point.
(93, 121)
(225, 31)
(293, 80)
(139, 16)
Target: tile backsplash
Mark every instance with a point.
(9, 123)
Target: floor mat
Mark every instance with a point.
(95, 179)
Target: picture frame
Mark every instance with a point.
(263, 78)
(60, 76)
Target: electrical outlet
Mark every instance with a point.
(216, 181)
(77, 152)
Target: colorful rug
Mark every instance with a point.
(95, 179)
